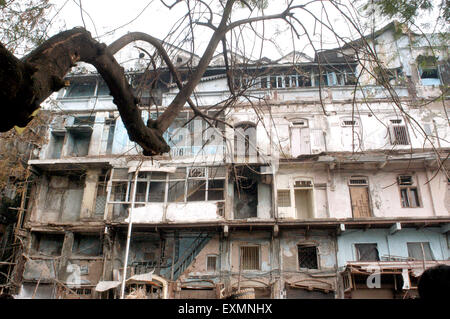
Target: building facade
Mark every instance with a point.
(315, 188)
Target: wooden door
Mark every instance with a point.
(300, 141)
(360, 201)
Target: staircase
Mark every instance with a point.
(184, 261)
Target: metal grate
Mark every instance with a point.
(358, 181)
(250, 258)
(303, 184)
(307, 257)
(284, 198)
(211, 263)
(399, 135)
(405, 180)
(349, 123)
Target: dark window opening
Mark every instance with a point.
(420, 251)
(48, 244)
(307, 257)
(87, 245)
(367, 252)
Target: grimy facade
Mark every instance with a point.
(318, 189)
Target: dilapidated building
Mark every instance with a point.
(316, 185)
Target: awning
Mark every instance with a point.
(106, 285)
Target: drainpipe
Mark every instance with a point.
(130, 224)
(429, 189)
(164, 284)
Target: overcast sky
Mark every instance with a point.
(109, 19)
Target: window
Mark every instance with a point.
(87, 245)
(408, 191)
(367, 252)
(48, 244)
(100, 200)
(284, 198)
(398, 133)
(349, 122)
(57, 142)
(428, 70)
(307, 257)
(420, 251)
(187, 184)
(303, 196)
(250, 258)
(81, 89)
(211, 263)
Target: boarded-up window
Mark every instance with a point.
(420, 251)
(211, 263)
(300, 138)
(307, 257)
(367, 252)
(250, 258)
(284, 198)
(359, 194)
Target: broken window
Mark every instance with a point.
(157, 189)
(250, 258)
(56, 144)
(420, 251)
(87, 245)
(409, 194)
(307, 257)
(367, 252)
(211, 263)
(79, 141)
(428, 70)
(47, 244)
(118, 191)
(81, 89)
(245, 192)
(398, 132)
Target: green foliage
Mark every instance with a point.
(404, 10)
(260, 4)
(23, 24)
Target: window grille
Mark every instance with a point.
(303, 184)
(307, 257)
(358, 181)
(211, 263)
(284, 198)
(405, 180)
(250, 258)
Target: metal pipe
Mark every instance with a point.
(130, 224)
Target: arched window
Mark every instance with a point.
(245, 142)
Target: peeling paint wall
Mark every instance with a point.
(391, 244)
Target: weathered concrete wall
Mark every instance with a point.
(388, 244)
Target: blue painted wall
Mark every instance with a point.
(394, 245)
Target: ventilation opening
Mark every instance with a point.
(405, 180)
(358, 181)
(303, 184)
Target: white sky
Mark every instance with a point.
(150, 16)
